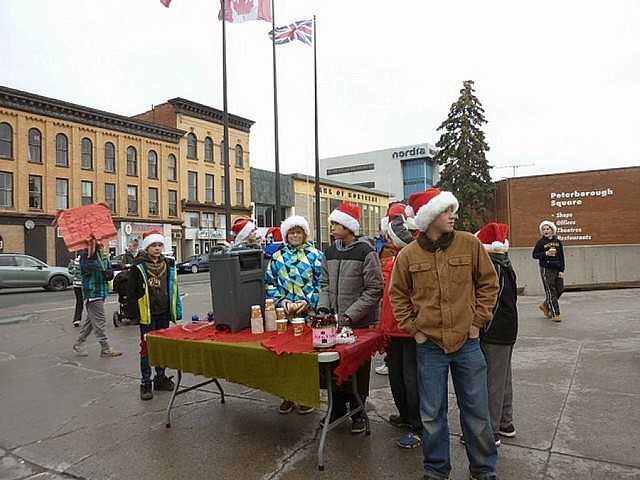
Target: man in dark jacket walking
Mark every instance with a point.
(498, 336)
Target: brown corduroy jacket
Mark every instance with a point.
(442, 293)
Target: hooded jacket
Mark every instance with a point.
(138, 301)
(401, 237)
(351, 283)
(502, 329)
(441, 293)
(294, 274)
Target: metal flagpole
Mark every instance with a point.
(225, 122)
(315, 94)
(276, 218)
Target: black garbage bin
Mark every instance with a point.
(237, 282)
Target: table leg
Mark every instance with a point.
(177, 392)
(331, 425)
(326, 427)
(167, 423)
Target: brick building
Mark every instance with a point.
(595, 207)
(156, 170)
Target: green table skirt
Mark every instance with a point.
(292, 377)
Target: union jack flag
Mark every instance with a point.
(301, 30)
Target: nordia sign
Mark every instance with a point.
(412, 152)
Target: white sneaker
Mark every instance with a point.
(382, 369)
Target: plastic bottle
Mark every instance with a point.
(270, 315)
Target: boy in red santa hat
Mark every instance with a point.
(443, 290)
(351, 286)
(246, 233)
(401, 352)
(154, 300)
(498, 336)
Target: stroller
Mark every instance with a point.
(120, 285)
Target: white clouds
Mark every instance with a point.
(559, 80)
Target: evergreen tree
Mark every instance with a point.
(461, 153)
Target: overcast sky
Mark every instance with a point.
(559, 80)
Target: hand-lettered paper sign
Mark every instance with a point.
(80, 225)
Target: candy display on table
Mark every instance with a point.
(346, 336)
(324, 330)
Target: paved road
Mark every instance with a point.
(577, 391)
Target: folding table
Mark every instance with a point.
(294, 376)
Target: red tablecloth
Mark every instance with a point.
(352, 356)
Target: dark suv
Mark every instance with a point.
(195, 264)
(18, 270)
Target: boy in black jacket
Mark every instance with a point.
(550, 253)
(498, 336)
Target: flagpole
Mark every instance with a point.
(225, 122)
(317, 158)
(276, 217)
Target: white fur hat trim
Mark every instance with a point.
(438, 204)
(244, 233)
(291, 222)
(497, 246)
(550, 224)
(151, 239)
(345, 220)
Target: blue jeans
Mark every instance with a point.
(157, 322)
(469, 373)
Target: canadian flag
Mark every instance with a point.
(238, 11)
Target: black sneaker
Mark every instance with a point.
(145, 391)
(358, 425)
(163, 383)
(508, 431)
(490, 477)
(335, 414)
(397, 421)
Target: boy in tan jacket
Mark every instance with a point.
(443, 289)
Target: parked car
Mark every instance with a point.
(18, 270)
(195, 264)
